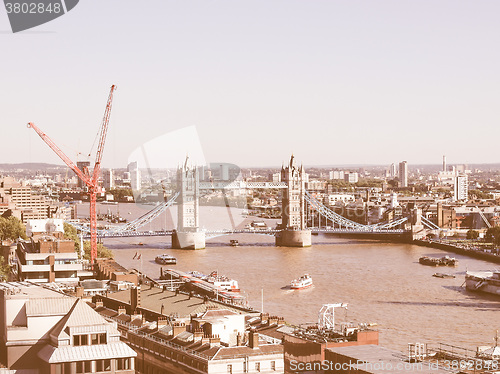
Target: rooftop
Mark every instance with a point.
(180, 304)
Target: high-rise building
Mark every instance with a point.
(461, 190)
(109, 182)
(393, 172)
(135, 176)
(351, 177)
(336, 174)
(82, 165)
(403, 174)
(444, 163)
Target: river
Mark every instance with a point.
(382, 282)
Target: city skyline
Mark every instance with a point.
(334, 83)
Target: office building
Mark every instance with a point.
(109, 182)
(84, 166)
(403, 174)
(461, 187)
(135, 176)
(45, 258)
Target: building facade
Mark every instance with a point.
(403, 174)
(48, 332)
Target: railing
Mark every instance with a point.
(134, 330)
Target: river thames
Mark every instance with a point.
(382, 282)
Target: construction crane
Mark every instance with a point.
(90, 180)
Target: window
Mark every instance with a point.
(103, 365)
(123, 364)
(80, 340)
(87, 365)
(230, 369)
(98, 339)
(67, 367)
(58, 369)
(257, 366)
(107, 365)
(273, 365)
(79, 367)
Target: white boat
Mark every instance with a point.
(222, 282)
(302, 282)
(165, 259)
(483, 281)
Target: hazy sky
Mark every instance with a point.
(335, 82)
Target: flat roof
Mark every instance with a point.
(380, 360)
(180, 304)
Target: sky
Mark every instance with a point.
(334, 82)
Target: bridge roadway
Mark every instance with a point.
(236, 185)
(209, 233)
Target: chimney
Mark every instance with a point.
(135, 298)
(99, 303)
(122, 310)
(178, 327)
(205, 339)
(79, 291)
(162, 321)
(253, 340)
(264, 317)
(214, 341)
(239, 340)
(273, 320)
(198, 335)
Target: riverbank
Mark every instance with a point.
(462, 250)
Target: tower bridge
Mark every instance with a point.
(293, 231)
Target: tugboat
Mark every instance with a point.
(302, 282)
(165, 259)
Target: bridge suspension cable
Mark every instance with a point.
(347, 223)
(136, 223)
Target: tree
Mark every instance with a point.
(472, 234)
(120, 194)
(102, 251)
(4, 270)
(11, 228)
(493, 235)
(477, 194)
(71, 233)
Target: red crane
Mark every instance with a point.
(91, 181)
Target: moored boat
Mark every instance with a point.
(443, 275)
(434, 261)
(303, 282)
(483, 281)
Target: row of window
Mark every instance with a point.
(245, 367)
(92, 339)
(96, 366)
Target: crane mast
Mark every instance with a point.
(92, 183)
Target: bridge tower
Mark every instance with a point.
(293, 222)
(188, 235)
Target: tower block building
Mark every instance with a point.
(295, 232)
(188, 235)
